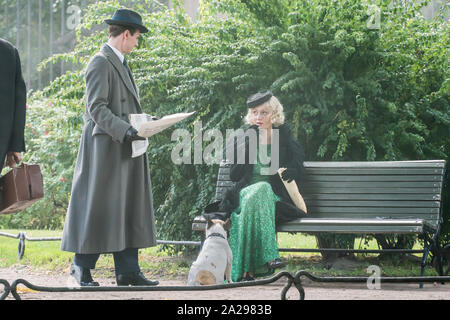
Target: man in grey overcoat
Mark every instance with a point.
(111, 204)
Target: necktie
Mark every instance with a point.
(125, 64)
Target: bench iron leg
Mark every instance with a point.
(426, 251)
(438, 256)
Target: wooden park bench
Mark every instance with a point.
(392, 197)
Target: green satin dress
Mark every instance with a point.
(252, 235)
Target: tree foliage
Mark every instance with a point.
(350, 92)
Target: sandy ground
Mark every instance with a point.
(313, 291)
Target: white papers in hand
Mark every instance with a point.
(148, 129)
(139, 147)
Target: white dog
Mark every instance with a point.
(214, 262)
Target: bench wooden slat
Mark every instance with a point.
(355, 226)
(225, 183)
(358, 226)
(372, 178)
(375, 171)
(368, 203)
(376, 184)
(367, 210)
(376, 164)
(370, 215)
(393, 222)
(309, 190)
(353, 229)
(372, 196)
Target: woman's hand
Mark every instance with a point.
(289, 174)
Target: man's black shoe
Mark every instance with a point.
(134, 279)
(82, 276)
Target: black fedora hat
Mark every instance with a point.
(127, 18)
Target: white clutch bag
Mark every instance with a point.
(292, 189)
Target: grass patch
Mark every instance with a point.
(157, 263)
(395, 265)
(38, 254)
(47, 256)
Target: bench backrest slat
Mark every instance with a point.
(367, 190)
(439, 164)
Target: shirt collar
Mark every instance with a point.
(117, 52)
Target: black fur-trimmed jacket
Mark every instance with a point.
(290, 156)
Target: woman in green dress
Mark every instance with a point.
(259, 200)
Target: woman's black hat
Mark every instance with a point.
(259, 98)
(127, 18)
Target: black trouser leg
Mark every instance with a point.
(126, 261)
(87, 261)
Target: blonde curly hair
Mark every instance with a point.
(273, 105)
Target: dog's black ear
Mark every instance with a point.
(227, 225)
(210, 223)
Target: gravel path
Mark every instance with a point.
(314, 291)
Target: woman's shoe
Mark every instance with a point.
(248, 277)
(276, 264)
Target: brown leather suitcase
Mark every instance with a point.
(20, 188)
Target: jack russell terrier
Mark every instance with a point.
(214, 262)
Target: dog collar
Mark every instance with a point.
(216, 235)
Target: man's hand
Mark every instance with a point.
(13, 159)
(132, 135)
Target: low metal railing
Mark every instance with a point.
(292, 280)
(22, 236)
